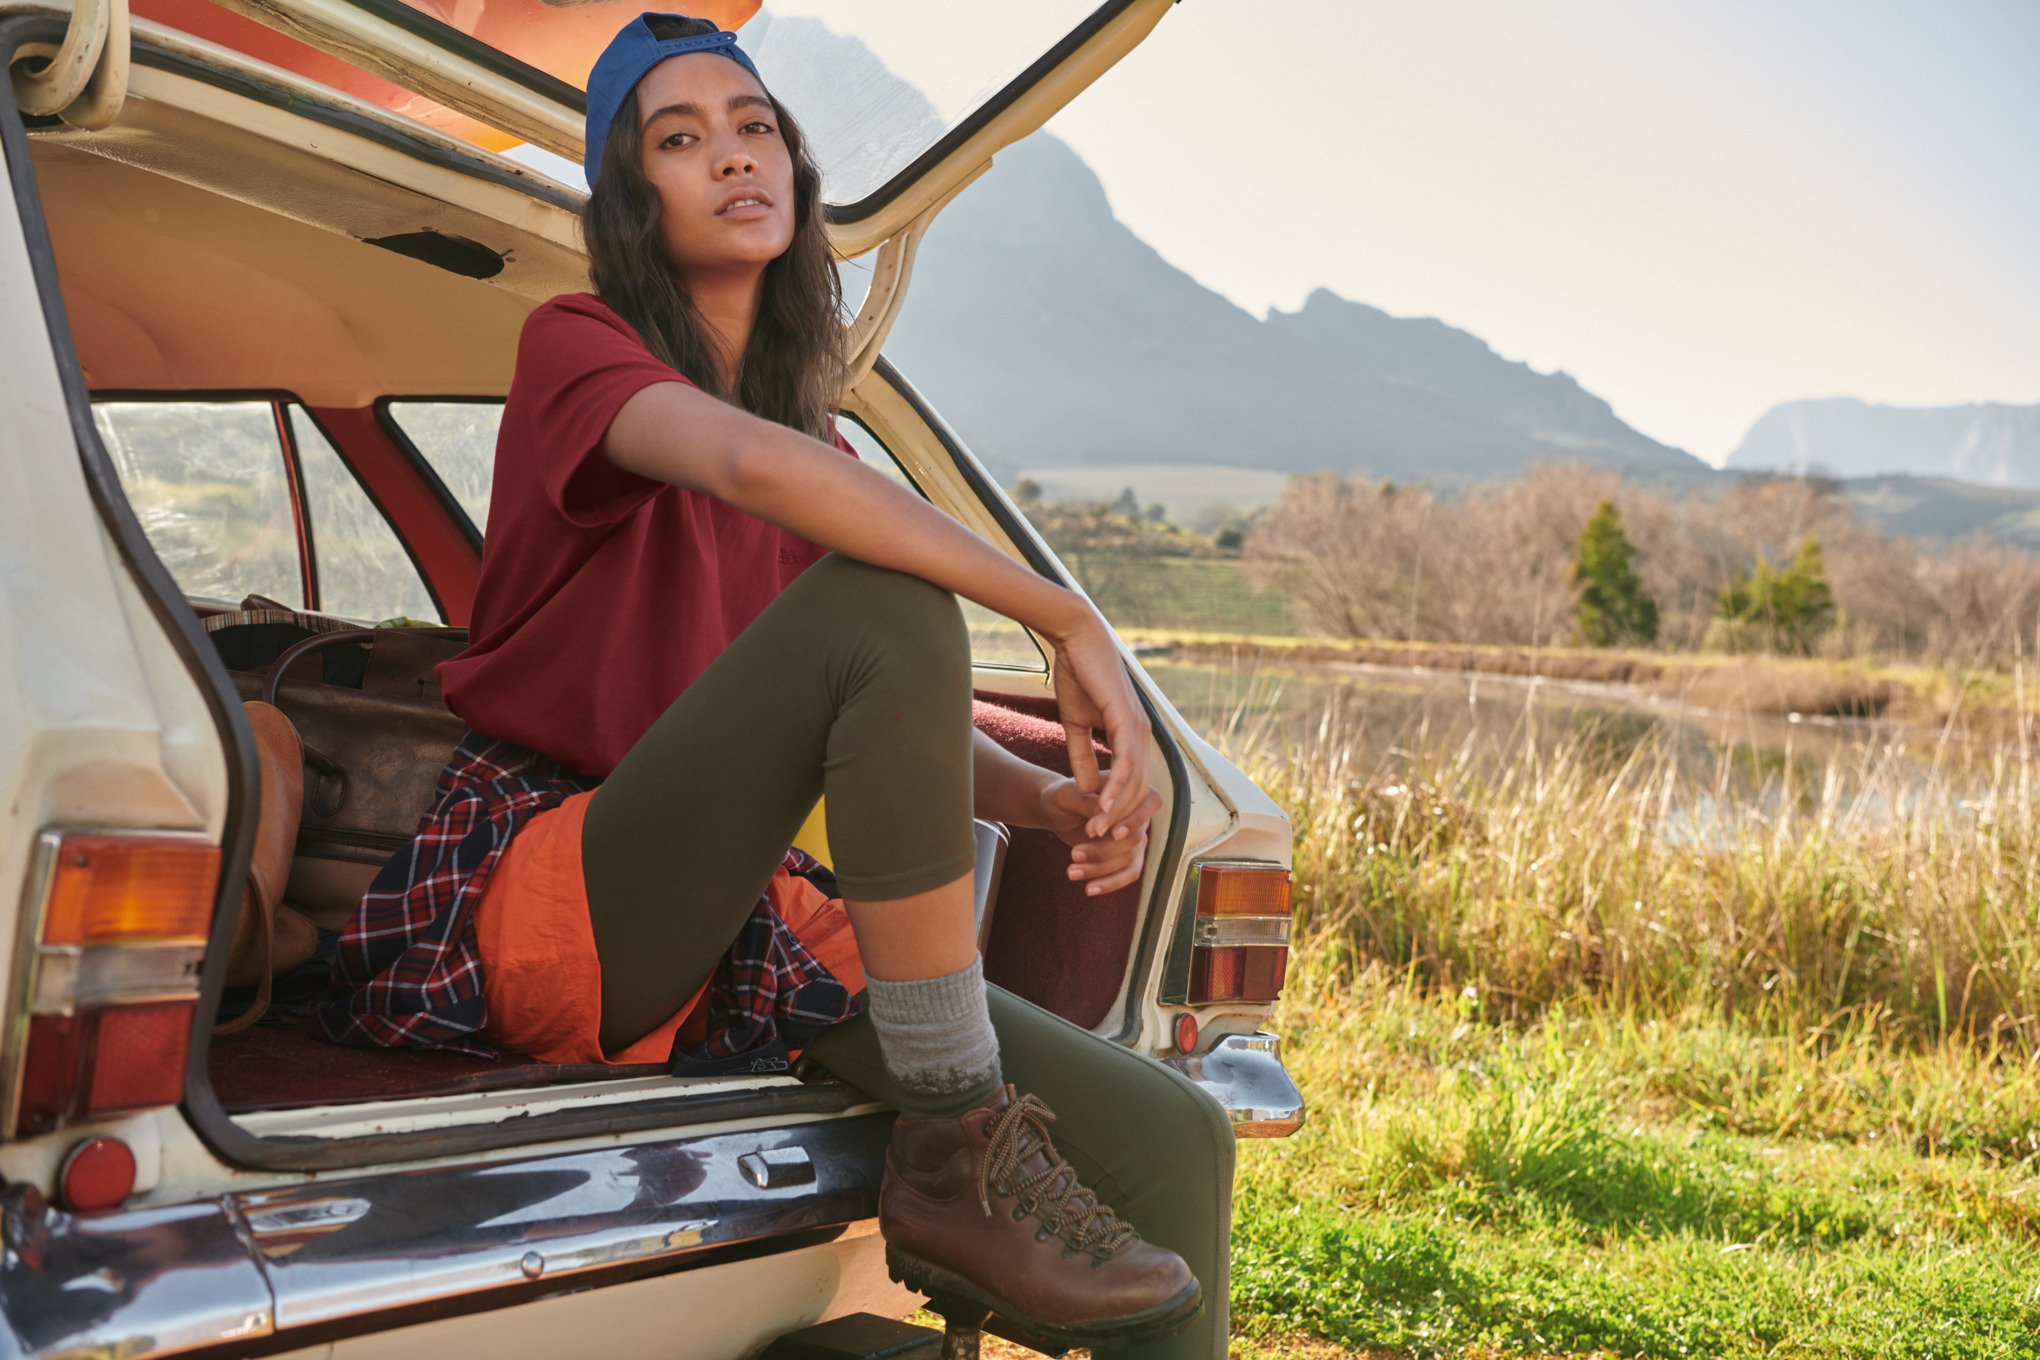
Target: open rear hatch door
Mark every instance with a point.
(904, 104)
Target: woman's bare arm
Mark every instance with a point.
(674, 433)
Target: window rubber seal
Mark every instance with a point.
(492, 59)
(1010, 94)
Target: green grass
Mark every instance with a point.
(1470, 1188)
(1605, 1057)
(1192, 594)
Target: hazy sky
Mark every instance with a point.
(1696, 207)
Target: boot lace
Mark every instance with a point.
(1067, 1209)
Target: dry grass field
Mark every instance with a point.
(1608, 1058)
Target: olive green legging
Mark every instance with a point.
(855, 682)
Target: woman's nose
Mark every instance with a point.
(736, 163)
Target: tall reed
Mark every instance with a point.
(1890, 886)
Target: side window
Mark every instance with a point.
(457, 440)
(995, 641)
(210, 485)
(362, 571)
(234, 495)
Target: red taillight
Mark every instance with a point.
(105, 1061)
(123, 920)
(1237, 973)
(1240, 936)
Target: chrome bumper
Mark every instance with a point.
(149, 1282)
(1245, 1075)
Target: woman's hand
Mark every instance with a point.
(1092, 691)
(1101, 864)
(1020, 793)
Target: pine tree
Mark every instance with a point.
(1614, 607)
(1804, 597)
(1785, 610)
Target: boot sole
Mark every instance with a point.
(1151, 1324)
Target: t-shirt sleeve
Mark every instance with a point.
(575, 370)
(836, 438)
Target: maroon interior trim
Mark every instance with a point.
(1055, 946)
(300, 517)
(284, 1069)
(441, 547)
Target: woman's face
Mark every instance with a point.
(712, 149)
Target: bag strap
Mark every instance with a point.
(280, 748)
(325, 764)
(369, 635)
(265, 903)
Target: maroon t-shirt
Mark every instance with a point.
(603, 593)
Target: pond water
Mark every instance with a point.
(1385, 713)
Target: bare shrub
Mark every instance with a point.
(1348, 554)
(1986, 603)
(1371, 559)
(1367, 559)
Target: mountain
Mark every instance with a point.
(1051, 336)
(1988, 443)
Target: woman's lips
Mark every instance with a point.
(745, 206)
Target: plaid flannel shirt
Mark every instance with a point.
(414, 969)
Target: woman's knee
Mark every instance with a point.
(918, 621)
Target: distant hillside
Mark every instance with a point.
(1988, 443)
(1936, 507)
(1052, 336)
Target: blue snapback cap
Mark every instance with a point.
(630, 54)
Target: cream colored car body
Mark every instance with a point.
(106, 725)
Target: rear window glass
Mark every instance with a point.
(363, 570)
(209, 483)
(249, 497)
(873, 82)
(457, 440)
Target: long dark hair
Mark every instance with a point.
(794, 363)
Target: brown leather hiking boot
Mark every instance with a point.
(983, 1209)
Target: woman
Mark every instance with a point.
(666, 671)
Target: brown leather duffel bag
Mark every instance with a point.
(372, 756)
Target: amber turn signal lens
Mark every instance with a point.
(105, 889)
(1242, 890)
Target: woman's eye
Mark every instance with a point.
(765, 128)
(677, 139)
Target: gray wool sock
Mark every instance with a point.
(937, 1039)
